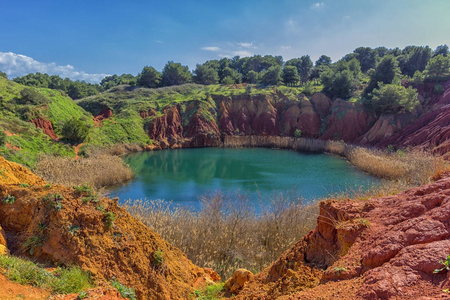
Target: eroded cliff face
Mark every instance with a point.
(57, 224)
(381, 248)
(317, 117)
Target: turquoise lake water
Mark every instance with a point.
(184, 175)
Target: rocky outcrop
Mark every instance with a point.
(104, 114)
(46, 126)
(383, 248)
(56, 225)
(167, 129)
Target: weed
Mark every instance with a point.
(211, 292)
(54, 200)
(446, 266)
(82, 295)
(24, 185)
(83, 190)
(73, 229)
(100, 208)
(33, 242)
(90, 198)
(158, 258)
(48, 185)
(124, 291)
(363, 222)
(109, 219)
(70, 280)
(339, 270)
(9, 199)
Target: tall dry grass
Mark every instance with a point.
(228, 233)
(97, 171)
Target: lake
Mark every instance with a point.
(184, 175)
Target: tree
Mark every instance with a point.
(2, 137)
(32, 96)
(438, 68)
(75, 130)
(205, 75)
(441, 50)
(304, 66)
(149, 77)
(323, 61)
(252, 77)
(290, 76)
(392, 98)
(230, 76)
(414, 58)
(367, 57)
(272, 76)
(385, 72)
(175, 74)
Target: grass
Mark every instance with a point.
(61, 281)
(228, 233)
(124, 291)
(98, 171)
(211, 292)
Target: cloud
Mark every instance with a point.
(285, 47)
(242, 53)
(245, 45)
(318, 5)
(211, 49)
(15, 65)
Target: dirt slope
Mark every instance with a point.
(56, 225)
(384, 248)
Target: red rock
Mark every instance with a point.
(46, 126)
(104, 114)
(322, 104)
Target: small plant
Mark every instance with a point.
(55, 200)
(109, 219)
(158, 258)
(446, 266)
(83, 189)
(100, 208)
(73, 229)
(90, 198)
(363, 222)
(211, 292)
(33, 242)
(9, 199)
(48, 185)
(339, 270)
(82, 295)
(24, 185)
(297, 133)
(124, 291)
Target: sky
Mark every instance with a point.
(87, 40)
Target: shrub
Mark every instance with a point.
(158, 257)
(9, 199)
(124, 291)
(75, 130)
(31, 96)
(109, 219)
(438, 89)
(297, 133)
(392, 98)
(2, 137)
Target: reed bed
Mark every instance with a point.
(97, 171)
(228, 232)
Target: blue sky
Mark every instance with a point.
(89, 39)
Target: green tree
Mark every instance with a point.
(367, 58)
(392, 98)
(32, 96)
(149, 78)
(441, 50)
(414, 58)
(304, 66)
(205, 75)
(290, 76)
(230, 76)
(252, 77)
(74, 130)
(272, 76)
(175, 74)
(340, 81)
(385, 72)
(438, 68)
(323, 60)
(2, 137)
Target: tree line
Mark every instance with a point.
(372, 67)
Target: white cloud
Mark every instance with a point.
(211, 48)
(317, 5)
(18, 65)
(285, 47)
(245, 45)
(242, 53)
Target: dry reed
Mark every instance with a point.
(99, 171)
(228, 233)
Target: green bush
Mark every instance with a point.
(158, 257)
(75, 130)
(297, 133)
(32, 96)
(109, 219)
(124, 291)
(2, 137)
(438, 89)
(9, 199)
(392, 98)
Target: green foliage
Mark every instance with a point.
(206, 75)
(114, 80)
(391, 98)
(272, 76)
(339, 270)
(33, 242)
(446, 266)
(175, 74)
(385, 72)
(82, 295)
(24, 185)
(438, 89)
(31, 96)
(83, 189)
(297, 133)
(158, 258)
(290, 76)
(9, 199)
(108, 219)
(149, 78)
(75, 130)
(367, 58)
(414, 58)
(418, 78)
(62, 281)
(54, 201)
(211, 292)
(340, 82)
(124, 291)
(73, 229)
(438, 68)
(304, 66)
(2, 137)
